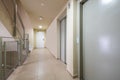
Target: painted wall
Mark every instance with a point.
(5, 18)
(72, 59)
(69, 42)
(51, 38)
(52, 34)
(71, 47)
(4, 33)
(27, 24)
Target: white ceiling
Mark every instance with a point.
(48, 11)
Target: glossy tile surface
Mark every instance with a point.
(41, 65)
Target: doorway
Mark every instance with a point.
(40, 39)
(63, 40)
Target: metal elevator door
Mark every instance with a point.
(63, 40)
(101, 39)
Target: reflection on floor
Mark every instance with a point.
(41, 65)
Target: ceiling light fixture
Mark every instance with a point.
(41, 18)
(40, 27)
(42, 4)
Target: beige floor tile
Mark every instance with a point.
(41, 65)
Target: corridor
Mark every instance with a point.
(41, 65)
(59, 39)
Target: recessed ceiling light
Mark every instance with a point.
(41, 18)
(40, 26)
(42, 4)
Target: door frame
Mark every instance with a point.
(65, 37)
(61, 15)
(80, 4)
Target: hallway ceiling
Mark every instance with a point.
(47, 9)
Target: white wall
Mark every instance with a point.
(72, 59)
(52, 34)
(29, 30)
(7, 28)
(51, 38)
(71, 43)
(5, 18)
(27, 24)
(4, 33)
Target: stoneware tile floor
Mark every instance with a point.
(41, 65)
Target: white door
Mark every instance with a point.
(63, 40)
(40, 40)
(101, 39)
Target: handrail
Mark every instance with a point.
(7, 52)
(5, 37)
(11, 41)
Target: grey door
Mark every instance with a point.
(63, 40)
(101, 39)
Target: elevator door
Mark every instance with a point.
(101, 39)
(40, 39)
(63, 40)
